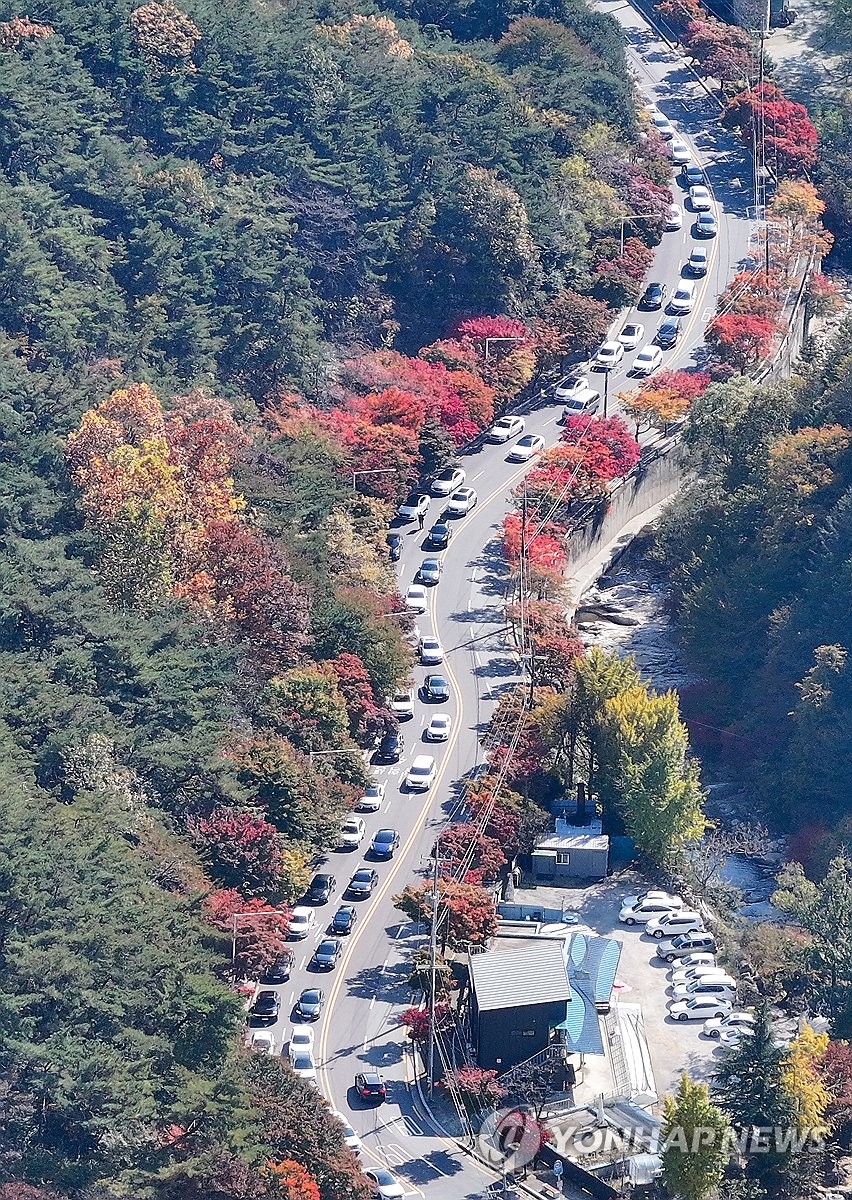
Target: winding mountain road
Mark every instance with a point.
(369, 986)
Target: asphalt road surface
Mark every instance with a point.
(364, 994)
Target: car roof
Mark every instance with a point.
(423, 760)
(301, 910)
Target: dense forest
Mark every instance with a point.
(760, 549)
(245, 251)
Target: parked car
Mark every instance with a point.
(386, 1186)
(670, 923)
(683, 975)
(584, 404)
(262, 1041)
(674, 217)
(421, 773)
(430, 651)
(301, 1041)
(505, 429)
(647, 360)
(631, 335)
(462, 501)
(436, 688)
(699, 1008)
(416, 598)
(352, 833)
(653, 296)
(701, 959)
(304, 1066)
(363, 882)
(716, 1026)
(326, 954)
(448, 480)
(320, 889)
(668, 332)
(706, 225)
(438, 729)
(697, 261)
(680, 152)
(413, 506)
(430, 570)
(370, 1086)
(693, 175)
(265, 1006)
(662, 125)
(608, 356)
(394, 541)
(439, 535)
(684, 298)
(723, 986)
(686, 943)
(526, 448)
(302, 921)
(384, 843)
(401, 704)
(570, 386)
(700, 198)
(638, 910)
(310, 1004)
(279, 970)
(391, 746)
(350, 1137)
(373, 796)
(343, 921)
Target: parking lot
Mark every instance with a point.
(642, 979)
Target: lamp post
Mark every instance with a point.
(278, 912)
(373, 471)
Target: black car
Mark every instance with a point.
(320, 889)
(310, 1004)
(326, 954)
(436, 688)
(668, 332)
(384, 843)
(391, 746)
(363, 882)
(370, 1086)
(394, 541)
(654, 295)
(278, 971)
(343, 921)
(439, 535)
(266, 1006)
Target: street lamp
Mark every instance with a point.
(374, 471)
(278, 912)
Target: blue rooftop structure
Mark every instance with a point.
(591, 964)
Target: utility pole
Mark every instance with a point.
(433, 966)
(526, 631)
(606, 392)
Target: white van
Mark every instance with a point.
(723, 987)
(671, 923)
(421, 773)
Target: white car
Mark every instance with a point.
(304, 1066)
(682, 974)
(680, 152)
(707, 985)
(697, 261)
(683, 299)
(643, 910)
(385, 1185)
(421, 773)
(674, 217)
(647, 360)
(448, 480)
(416, 598)
(415, 505)
(662, 124)
(609, 355)
(401, 705)
(670, 898)
(430, 570)
(301, 1041)
(263, 1042)
(585, 403)
(505, 429)
(373, 797)
(670, 923)
(526, 448)
(350, 1137)
(699, 1008)
(352, 833)
(431, 651)
(438, 729)
(302, 921)
(702, 959)
(570, 386)
(700, 198)
(631, 335)
(462, 501)
(716, 1026)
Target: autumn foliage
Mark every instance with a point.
(790, 136)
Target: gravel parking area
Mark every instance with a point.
(642, 980)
